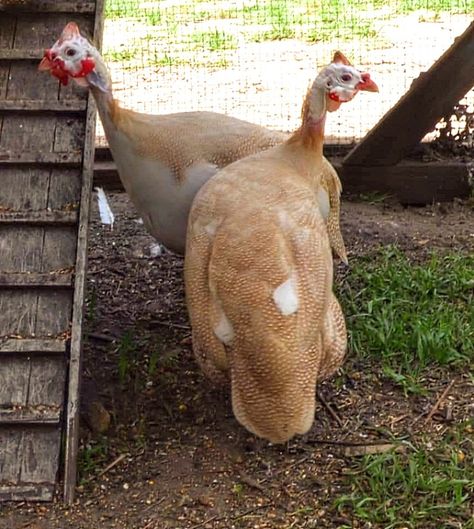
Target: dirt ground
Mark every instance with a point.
(181, 459)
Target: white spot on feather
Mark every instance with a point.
(224, 330)
(286, 297)
(211, 228)
(323, 202)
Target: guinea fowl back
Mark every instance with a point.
(258, 273)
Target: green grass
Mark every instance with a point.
(410, 316)
(436, 6)
(122, 8)
(128, 353)
(423, 488)
(92, 457)
(189, 26)
(213, 40)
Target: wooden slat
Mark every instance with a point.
(48, 105)
(50, 158)
(34, 312)
(106, 176)
(32, 346)
(75, 357)
(32, 457)
(28, 280)
(20, 54)
(410, 182)
(33, 492)
(31, 188)
(431, 97)
(44, 415)
(42, 218)
(46, 6)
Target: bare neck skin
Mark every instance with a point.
(306, 143)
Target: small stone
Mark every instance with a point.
(126, 486)
(205, 500)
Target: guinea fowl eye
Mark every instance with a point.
(70, 52)
(346, 77)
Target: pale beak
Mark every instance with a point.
(45, 65)
(367, 84)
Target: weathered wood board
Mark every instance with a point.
(46, 140)
(430, 98)
(410, 182)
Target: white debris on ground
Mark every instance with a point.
(105, 211)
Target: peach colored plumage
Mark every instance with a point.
(162, 160)
(259, 271)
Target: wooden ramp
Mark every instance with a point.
(46, 162)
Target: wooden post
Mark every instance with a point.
(75, 356)
(429, 99)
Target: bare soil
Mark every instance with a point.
(182, 460)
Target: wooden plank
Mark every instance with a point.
(47, 105)
(64, 188)
(38, 31)
(106, 176)
(430, 98)
(36, 249)
(32, 346)
(42, 415)
(7, 31)
(20, 54)
(39, 157)
(32, 188)
(29, 461)
(36, 279)
(34, 492)
(75, 357)
(409, 182)
(35, 383)
(46, 6)
(35, 193)
(23, 312)
(42, 218)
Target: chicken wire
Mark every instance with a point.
(254, 59)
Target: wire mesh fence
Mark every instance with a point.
(254, 59)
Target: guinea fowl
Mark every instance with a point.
(258, 271)
(162, 160)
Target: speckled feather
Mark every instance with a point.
(184, 139)
(258, 276)
(264, 230)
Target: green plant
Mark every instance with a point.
(411, 315)
(91, 304)
(422, 488)
(92, 456)
(213, 40)
(127, 351)
(115, 9)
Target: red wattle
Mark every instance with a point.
(334, 96)
(87, 66)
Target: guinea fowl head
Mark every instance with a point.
(341, 81)
(73, 56)
(335, 84)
